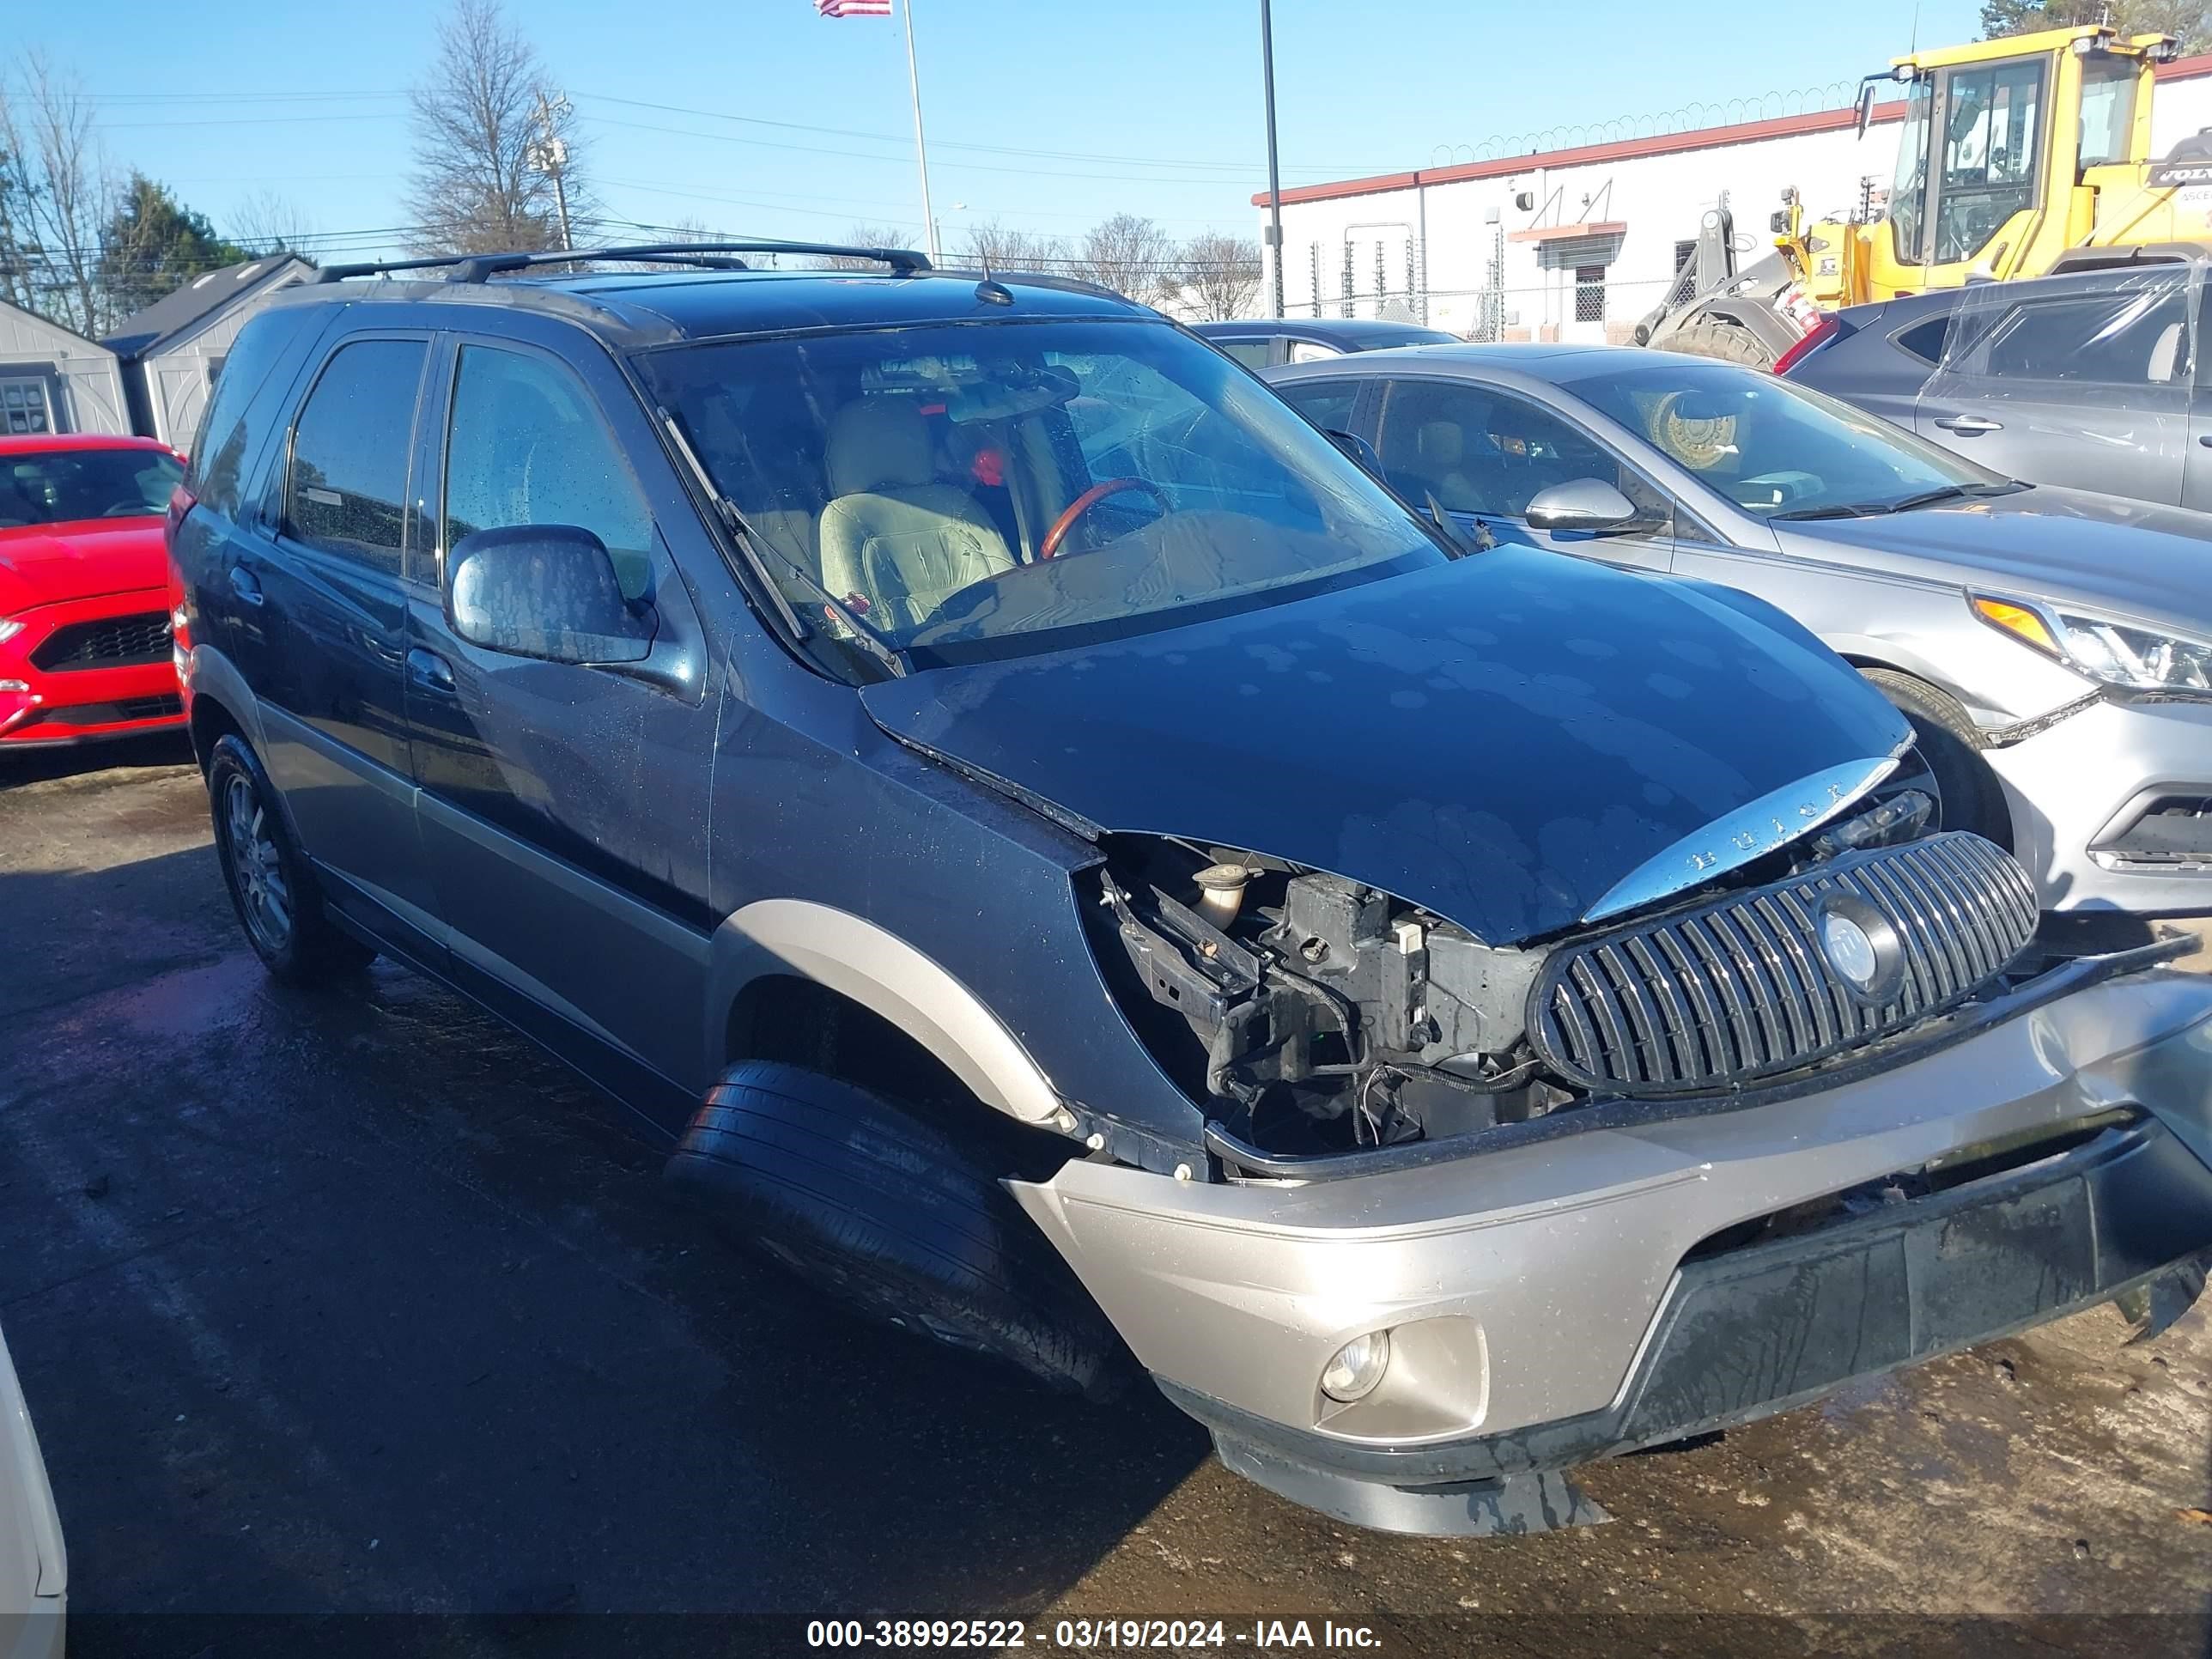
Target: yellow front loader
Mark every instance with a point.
(2018, 157)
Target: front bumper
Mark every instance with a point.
(1550, 1304)
(2074, 788)
(44, 705)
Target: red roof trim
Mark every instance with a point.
(1626, 149)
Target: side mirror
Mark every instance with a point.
(1588, 504)
(1360, 451)
(546, 591)
(1865, 108)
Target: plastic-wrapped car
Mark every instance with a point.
(33, 1566)
(1071, 866)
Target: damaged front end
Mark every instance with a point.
(1311, 1014)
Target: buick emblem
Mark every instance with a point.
(1861, 947)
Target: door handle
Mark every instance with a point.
(430, 672)
(2205, 439)
(1967, 425)
(246, 585)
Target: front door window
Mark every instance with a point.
(1992, 143)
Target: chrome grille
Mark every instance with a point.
(1742, 988)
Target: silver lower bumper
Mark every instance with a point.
(2068, 785)
(1522, 1287)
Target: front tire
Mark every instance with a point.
(1951, 744)
(882, 1213)
(271, 886)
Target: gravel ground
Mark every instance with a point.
(351, 1323)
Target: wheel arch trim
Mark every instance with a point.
(857, 958)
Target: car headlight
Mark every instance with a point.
(9, 630)
(2119, 654)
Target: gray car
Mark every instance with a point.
(2084, 379)
(1264, 342)
(1064, 861)
(2052, 648)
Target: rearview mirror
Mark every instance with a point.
(543, 589)
(1865, 108)
(1588, 504)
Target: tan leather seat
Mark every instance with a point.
(901, 541)
(1441, 447)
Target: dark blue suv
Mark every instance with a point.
(1072, 865)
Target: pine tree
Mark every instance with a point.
(2189, 21)
(153, 245)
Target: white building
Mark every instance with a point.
(53, 380)
(172, 350)
(1578, 244)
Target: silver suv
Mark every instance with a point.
(1072, 867)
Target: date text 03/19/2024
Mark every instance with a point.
(1096, 1635)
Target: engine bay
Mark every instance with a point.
(1308, 1013)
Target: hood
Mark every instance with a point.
(1511, 740)
(2105, 552)
(42, 564)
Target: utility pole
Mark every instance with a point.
(1274, 179)
(548, 153)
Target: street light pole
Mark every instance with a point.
(1274, 179)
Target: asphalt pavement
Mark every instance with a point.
(349, 1322)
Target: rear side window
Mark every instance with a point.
(2098, 339)
(1925, 340)
(528, 447)
(1253, 353)
(219, 451)
(347, 492)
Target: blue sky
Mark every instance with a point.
(1047, 115)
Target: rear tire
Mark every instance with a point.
(1723, 341)
(271, 884)
(1951, 744)
(884, 1215)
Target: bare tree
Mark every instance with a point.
(55, 196)
(268, 222)
(1129, 254)
(1218, 273)
(486, 130)
(993, 246)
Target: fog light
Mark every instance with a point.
(1357, 1367)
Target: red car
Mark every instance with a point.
(84, 607)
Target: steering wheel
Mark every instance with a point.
(1049, 548)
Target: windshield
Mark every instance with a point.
(62, 486)
(1776, 449)
(964, 491)
(1908, 188)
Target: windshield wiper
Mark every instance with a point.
(1834, 510)
(1873, 509)
(756, 549)
(1929, 497)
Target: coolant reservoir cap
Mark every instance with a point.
(1223, 877)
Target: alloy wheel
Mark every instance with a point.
(264, 896)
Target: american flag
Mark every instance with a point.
(854, 8)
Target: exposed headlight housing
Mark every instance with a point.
(2114, 652)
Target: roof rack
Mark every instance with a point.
(482, 267)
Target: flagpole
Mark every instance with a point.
(921, 149)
